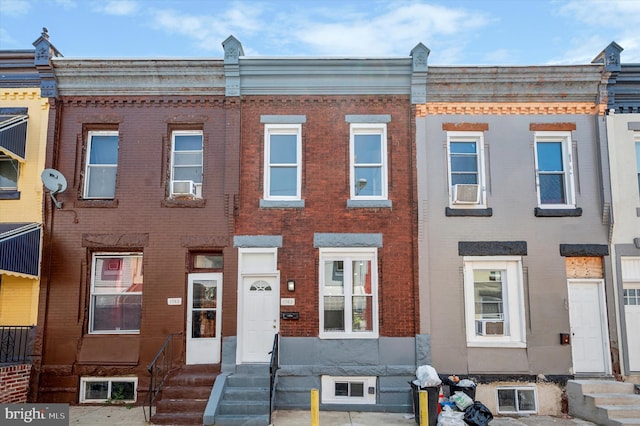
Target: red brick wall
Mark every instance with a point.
(14, 383)
(325, 190)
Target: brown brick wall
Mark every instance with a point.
(14, 383)
(325, 190)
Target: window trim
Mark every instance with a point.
(369, 128)
(514, 308)
(110, 379)
(636, 139)
(342, 254)
(478, 138)
(87, 174)
(328, 389)
(567, 165)
(197, 185)
(94, 257)
(516, 389)
(282, 129)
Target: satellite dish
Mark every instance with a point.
(55, 182)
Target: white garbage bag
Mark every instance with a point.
(427, 376)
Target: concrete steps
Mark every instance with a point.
(245, 399)
(184, 396)
(604, 402)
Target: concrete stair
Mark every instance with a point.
(184, 396)
(245, 399)
(604, 402)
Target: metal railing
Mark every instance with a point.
(16, 343)
(159, 370)
(273, 368)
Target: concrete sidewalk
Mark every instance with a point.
(123, 416)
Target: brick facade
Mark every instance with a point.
(14, 383)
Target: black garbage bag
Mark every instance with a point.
(477, 414)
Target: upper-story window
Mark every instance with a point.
(283, 161)
(186, 163)
(101, 165)
(554, 170)
(368, 147)
(9, 171)
(638, 159)
(466, 169)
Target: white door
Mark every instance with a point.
(260, 317)
(204, 301)
(632, 322)
(589, 336)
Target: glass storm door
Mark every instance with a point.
(204, 301)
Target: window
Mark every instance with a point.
(207, 261)
(638, 160)
(554, 173)
(8, 173)
(102, 165)
(186, 164)
(283, 162)
(466, 169)
(368, 147)
(494, 301)
(348, 390)
(348, 293)
(108, 389)
(116, 293)
(517, 400)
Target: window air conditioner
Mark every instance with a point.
(466, 193)
(183, 187)
(489, 327)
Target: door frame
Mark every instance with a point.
(604, 329)
(193, 276)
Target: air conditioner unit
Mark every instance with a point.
(466, 194)
(183, 187)
(489, 327)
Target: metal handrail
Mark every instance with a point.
(159, 370)
(273, 368)
(16, 343)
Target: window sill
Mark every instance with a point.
(485, 212)
(9, 195)
(369, 204)
(568, 212)
(281, 204)
(494, 344)
(348, 336)
(96, 203)
(191, 202)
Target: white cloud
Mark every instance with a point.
(118, 7)
(15, 7)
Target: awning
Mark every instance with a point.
(20, 249)
(13, 132)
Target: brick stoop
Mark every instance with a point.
(185, 394)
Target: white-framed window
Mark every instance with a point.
(116, 293)
(638, 160)
(282, 161)
(348, 390)
(494, 301)
(554, 170)
(101, 165)
(186, 163)
(368, 175)
(9, 172)
(348, 293)
(517, 400)
(108, 389)
(466, 169)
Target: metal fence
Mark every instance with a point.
(16, 344)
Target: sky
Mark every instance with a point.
(458, 32)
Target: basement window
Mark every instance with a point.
(108, 389)
(517, 400)
(348, 390)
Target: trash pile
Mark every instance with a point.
(458, 409)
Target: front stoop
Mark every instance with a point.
(245, 399)
(184, 396)
(604, 402)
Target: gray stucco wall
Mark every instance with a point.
(511, 194)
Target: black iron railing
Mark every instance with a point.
(273, 368)
(16, 343)
(159, 369)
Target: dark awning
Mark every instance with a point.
(20, 249)
(13, 132)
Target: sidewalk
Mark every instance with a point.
(123, 416)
